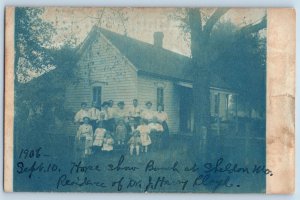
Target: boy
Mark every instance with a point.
(134, 143)
(121, 132)
(85, 132)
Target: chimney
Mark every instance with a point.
(158, 39)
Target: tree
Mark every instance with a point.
(53, 68)
(200, 51)
(32, 39)
(240, 59)
(202, 48)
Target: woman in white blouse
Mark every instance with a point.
(148, 113)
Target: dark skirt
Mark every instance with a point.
(109, 124)
(94, 124)
(165, 135)
(156, 140)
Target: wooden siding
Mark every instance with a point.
(147, 91)
(102, 65)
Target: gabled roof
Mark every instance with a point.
(146, 57)
(150, 59)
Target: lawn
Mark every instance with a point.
(222, 163)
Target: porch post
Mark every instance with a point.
(236, 114)
(218, 114)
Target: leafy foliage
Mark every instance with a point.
(39, 102)
(32, 37)
(240, 59)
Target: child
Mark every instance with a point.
(144, 132)
(108, 142)
(86, 131)
(99, 137)
(134, 143)
(121, 132)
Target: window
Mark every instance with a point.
(97, 96)
(160, 96)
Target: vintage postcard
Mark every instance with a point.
(185, 100)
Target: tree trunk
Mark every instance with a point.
(201, 98)
(201, 93)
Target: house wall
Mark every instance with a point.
(147, 91)
(102, 65)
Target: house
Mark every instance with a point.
(117, 67)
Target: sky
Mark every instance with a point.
(140, 23)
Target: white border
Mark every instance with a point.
(143, 3)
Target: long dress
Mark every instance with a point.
(156, 134)
(121, 132)
(99, 137)
(108, 144)
(162, 117)
(110, 121)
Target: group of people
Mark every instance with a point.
(110, 127)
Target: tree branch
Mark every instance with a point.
(213, 19)
(195, 21)
(195, 25)
(252, 28)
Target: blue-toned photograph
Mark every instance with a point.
(154, 100)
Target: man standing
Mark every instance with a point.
(135, 112)
(110, 112)
(83, 112)
(120, 112)
(94, 114)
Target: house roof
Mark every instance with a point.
(151, 59)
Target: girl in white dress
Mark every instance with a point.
(99, 137)
(144, 131)
(108, 142)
